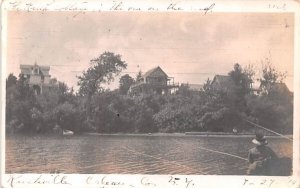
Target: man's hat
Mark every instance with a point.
(260, 140)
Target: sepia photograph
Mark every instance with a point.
(149, 93)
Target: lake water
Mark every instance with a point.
(138, 154)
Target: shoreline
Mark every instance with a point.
(201, 134)
(187, 134)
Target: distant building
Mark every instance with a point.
(37, 76)
(225, 83)
(222, 82)
(154, 81)
(279, 88)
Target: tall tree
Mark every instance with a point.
(125, 82)
(270, 76)
(242, 81)
(102, 70)
(242, 78)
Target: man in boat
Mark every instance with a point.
(261, 157)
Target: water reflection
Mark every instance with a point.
(132, 154)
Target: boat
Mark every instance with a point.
(67, 132)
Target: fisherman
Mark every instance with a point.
(260, 157)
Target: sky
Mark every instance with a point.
(190, 47)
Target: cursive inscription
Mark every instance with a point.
(186, 183)
(207, 9)
(40, 180)
(277, 6)
(112, 181)
(104, 181)
(83, 6)
(174, 6)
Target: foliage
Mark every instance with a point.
(270, 76)
(11, 80)
(28, 112)
(242, 86)
(101, 71)
(273, 113)
(67, 116)
(125, 82)
(94, 109)
(177, 115)
(138, 76)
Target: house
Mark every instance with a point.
(225, 83)
(278, 88)
(154, 81)
(37, 76)
(281, 88)
(222, 82)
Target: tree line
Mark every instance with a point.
(96, 109)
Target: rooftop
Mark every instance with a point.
(155, 72)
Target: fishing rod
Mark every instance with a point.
(238, 157)
(257, 125)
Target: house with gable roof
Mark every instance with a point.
(222, 82)
(154, 81)
(37, 76)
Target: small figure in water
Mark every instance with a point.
(261, 157)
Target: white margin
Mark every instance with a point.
(228, 6)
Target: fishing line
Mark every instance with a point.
(158, 158)
(224, 153)
(255, 124)
(220, 152)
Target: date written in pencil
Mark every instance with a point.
(277, 6)
(268, 183)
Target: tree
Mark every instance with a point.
(184, 90)
(11, 80)
(274, 114)
(67, 116)
(53, 81)
(64, 92)
(19, 102)
(138, 76)
(207, 85)
(249, 73)
(270, 76)
(242, 78)
(125, 82)
(101, 71)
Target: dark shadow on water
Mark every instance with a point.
(282, 167)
